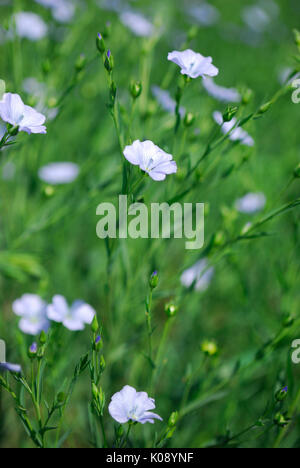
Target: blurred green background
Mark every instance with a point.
(49, 244)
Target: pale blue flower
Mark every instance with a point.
(251, 203)
(235, 133)
(137, 23)
(130, 405)
(193, 64)
(199, 275)
(7, 366)
(220, 92)
(165, 100)
(75, 317)
(59, 173)
(151, 159)
(32, 310)
(30, 26)
(16, 113)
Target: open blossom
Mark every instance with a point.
(59, 173)
(7, 366)
(220, 92)
(16, 113)
(137, 23)
(199, 274)
(75, 317)
(237, 133)
(251, 203)
(128, 404)
(32, 310)
(151, 159)
(30, 26)
(193, 64)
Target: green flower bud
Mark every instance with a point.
(49, 191)
(192, 33)
(52, 102)
(113, 91)
(95, 324)
(153, 282)
(247, 96)
(219, 238)
(106, 30)
(80, 63)
(13, 131)
(209, 348)
(297, 38)
(135, 89)
(264, 108)
(281, 394)
(60, 398)
(171, 310)
(43, 338)
(100, 44)
(189, 119)
(102, 363)
(288, 320)
(32, 351)
(120, 431)
(297, 172)
(280, 420)
(173, 419)
(230, 113)
(46, 66)
(109, 62)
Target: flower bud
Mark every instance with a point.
(297, 172)
(230, 113)
(209, 348)
(281, 394)
(95, 324)
(247, 96)
(297, 38)
(100, 44)
(60, 398)
(98, 343)
(153, 282)
(80, 63)
(48, 191)
(192, 33)
(102, 363)
(173, 419)
(43, 338)
(46, 66)
(264, 108)
(288, 320)
(189, 119)
(13, 131)
(171, 310)
(32, 351)
(109, 62)
(280, 420)
(136, 89)
(106, 30)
